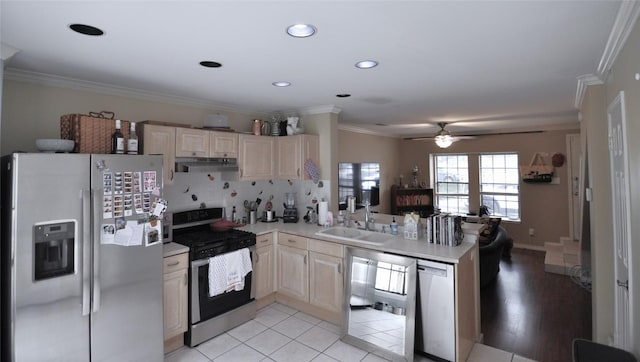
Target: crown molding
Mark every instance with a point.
(26, 76)
(622, 27)
(356, 129)
(308, 111)
(583, 82)
(7, 51)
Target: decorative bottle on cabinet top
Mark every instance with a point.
(117, 140)
(132, 144)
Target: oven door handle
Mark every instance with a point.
(195, 296)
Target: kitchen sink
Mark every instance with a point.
(341, 232)
(355, 235)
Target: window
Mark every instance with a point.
(361, 180)
(452, 183)
(494, 183)
(391, 278)
(499, 181)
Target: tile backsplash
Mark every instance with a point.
(191, 190)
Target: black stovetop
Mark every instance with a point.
(203, 242)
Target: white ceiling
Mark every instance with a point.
(488, 65)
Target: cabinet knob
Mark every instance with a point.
(193, 154)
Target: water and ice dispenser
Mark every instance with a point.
(54, 248)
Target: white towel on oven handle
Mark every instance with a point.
(227, 271)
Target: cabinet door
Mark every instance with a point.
(310, 150)
(158, 140)
(223, 144)
(326, 281)
(289, 158)
(293, 272)
(175, 303)
(263, 271)
(192, 142)
(256, 157)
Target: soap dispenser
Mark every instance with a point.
(394, 227)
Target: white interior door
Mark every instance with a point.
(621, 220)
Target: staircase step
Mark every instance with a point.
(572, 247)
(560, 258)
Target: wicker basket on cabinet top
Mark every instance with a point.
(91, 133)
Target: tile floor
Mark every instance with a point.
(281, 334)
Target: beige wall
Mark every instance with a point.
(544, 207)
(32, 111)
(594, 128)
(326, 126)
(358, 147)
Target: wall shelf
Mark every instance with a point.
(418, 200)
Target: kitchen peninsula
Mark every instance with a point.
(306, 271)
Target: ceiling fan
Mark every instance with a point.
(444, 138)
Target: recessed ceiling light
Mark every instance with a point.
(366, 64)
(86, 29)
(343, 95)
(281, 84)
(210, 64)
(301, 30)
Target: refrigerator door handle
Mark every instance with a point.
(86, 252)
(95, 302)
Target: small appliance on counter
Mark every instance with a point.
(290, 214)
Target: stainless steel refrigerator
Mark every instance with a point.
(81, 258)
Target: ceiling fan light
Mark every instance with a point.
(443, 141)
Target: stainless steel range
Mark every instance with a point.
(209, 315)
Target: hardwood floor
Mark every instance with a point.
(533, 313)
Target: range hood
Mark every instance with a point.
(206, 164)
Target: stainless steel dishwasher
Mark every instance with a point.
(435, 310)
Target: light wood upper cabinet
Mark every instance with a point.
(293, 151)
(256, 157)
(192, 142)
(223, 144)
(160, 140)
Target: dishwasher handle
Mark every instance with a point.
(433, 271)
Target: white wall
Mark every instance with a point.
(598, 97)
(623, 78)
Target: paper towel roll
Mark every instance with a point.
(323, 207)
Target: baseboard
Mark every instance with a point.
(529, 247)
(173, 343)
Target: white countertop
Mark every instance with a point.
(396, 244)
(171, 249)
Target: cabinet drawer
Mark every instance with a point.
(264, 240)
(327, 248)
(176, 262)
(293, 241)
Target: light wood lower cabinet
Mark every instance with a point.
(325, 281)
(176, 288)
(264, 266)
(293, 272)
(311, 276)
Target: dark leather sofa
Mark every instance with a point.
(491, 253)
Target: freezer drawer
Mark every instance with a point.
(435, 317)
